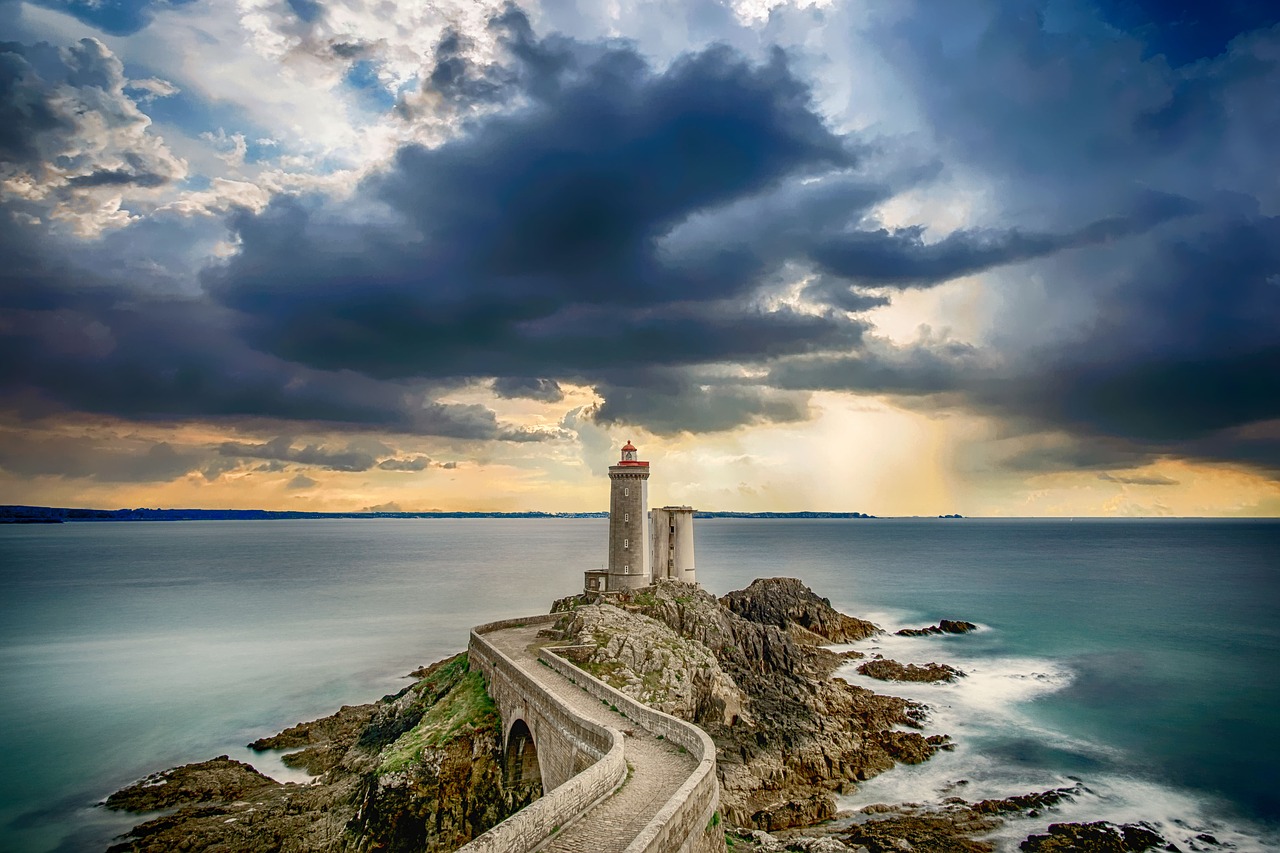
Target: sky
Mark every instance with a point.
(905, 258)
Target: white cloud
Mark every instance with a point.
(92, 147)
(154, 87)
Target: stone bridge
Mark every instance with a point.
(615, 774)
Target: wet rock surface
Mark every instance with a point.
(945, 626)
(217, 780)
(891, 670)
(956, 825)
(1096, 837)
(393, 780)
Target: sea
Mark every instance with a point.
(1135, 661)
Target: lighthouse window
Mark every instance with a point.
(626, 543)
(626, 568)
(673, 528)
(626, 493)
(626, 516)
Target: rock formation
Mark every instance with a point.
(788, 604)
(891, 670)
(787, 735)
(417, 771)
(421, 770)
(945, 626)
(1097, 837)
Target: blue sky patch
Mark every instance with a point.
(117, 17)
(362, 78)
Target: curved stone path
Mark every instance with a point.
(657, 767)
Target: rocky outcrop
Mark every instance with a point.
(952, 826)
(891, 670)
(221, 779)
(323, 742)
(416, 771)
(788, 604)
(787, 736)
(945, 626)
(648, 661)
(1097, 837)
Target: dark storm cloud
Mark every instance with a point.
(282, 449)
(1047, 453)
(1172, 346)
(31, 455)
(73, 338)
(909, 371)
(455, 76)
(411, 463)
(25, 109)
(67, 121)
(1183, 354)
(531, 388)
(1188, 347)
(117, 178)
(1136, 480)
(1188, 30)
(669, 402)
(901, 258)
(530, 243)
(602, 221)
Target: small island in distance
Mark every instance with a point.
(15, 514)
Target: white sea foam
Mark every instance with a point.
(271, 763)
(992, 704)
(1179, 816)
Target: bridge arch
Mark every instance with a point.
(521, 770)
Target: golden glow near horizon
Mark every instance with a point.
(858, 454)
(312, 295)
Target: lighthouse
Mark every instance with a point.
(628, 521)
(643, 546)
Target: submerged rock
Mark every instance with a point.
(892, 670)
(945, 626)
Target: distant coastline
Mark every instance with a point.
(15, 514)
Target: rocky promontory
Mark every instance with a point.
(750, 670)
(421, 770)
(417, 771)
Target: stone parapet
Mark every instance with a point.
(686, 823)
(566, 743)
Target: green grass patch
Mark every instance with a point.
(467, 704)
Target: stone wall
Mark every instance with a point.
(688, 823)
(628, 528)
(581, 762)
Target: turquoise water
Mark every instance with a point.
(1138, 657)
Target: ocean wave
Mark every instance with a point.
(1002, 749)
